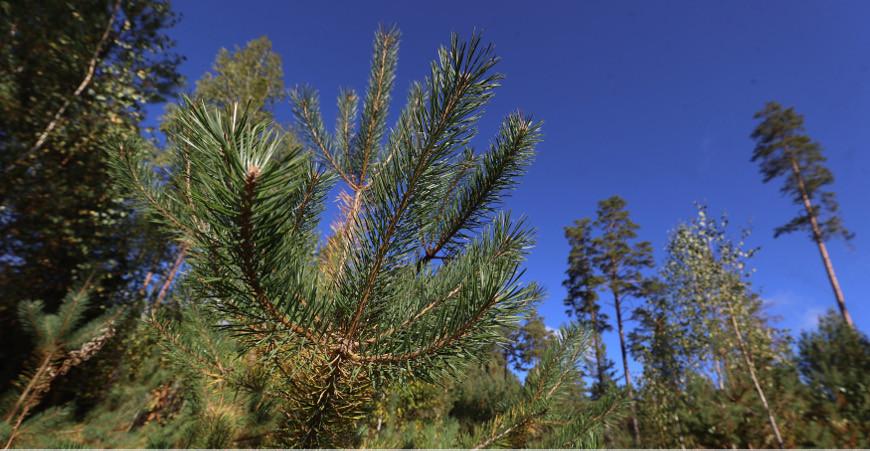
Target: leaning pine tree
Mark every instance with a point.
(420, 275)
(785, 150)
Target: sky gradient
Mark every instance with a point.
(652, 101)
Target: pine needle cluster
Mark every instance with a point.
(420, 275)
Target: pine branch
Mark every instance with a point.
(307, 110)
(55, 361)
(498, 170)
(465, 72)
(438, 345)
(377, 100)
(544, 382)
(136, 176)
(248, 252)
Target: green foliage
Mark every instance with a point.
(527, 344)
(333, 326)
(703, 338)
(835, 362)
(71, 73)
(659, 343)
(252, 77)
(253, 74)
(63, 341)
(783, 149)
(490, 408)
(531, 419)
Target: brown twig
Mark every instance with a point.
(182, 253)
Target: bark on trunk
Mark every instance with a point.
(823, 250)
(599, 356)
(750, 365)
(628, 387)
(182, 253)
(599, 353)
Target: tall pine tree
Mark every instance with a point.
(612, 262)
(783, 149)
(583, 302)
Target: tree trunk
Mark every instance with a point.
(599, 353)
(750, 365)
(599, 356)
(634, 426)
(823, 250)
(720, 378)
(179, 259)
(89, 76)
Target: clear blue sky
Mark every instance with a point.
(652, 101)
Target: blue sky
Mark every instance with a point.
(652, 101)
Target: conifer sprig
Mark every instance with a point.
(62, 342)
(534, 410)
(405, 287)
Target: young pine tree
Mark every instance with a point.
(63, 342)
(783, 149)
(834, 360)
(420, 274)
(612, 263)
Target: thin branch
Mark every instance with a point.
(318, 140)
(182, 253)
(438, 344)
(494, 438)
(248, 257)
(89, 76)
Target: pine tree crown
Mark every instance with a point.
(784, 149)
(421, 272)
